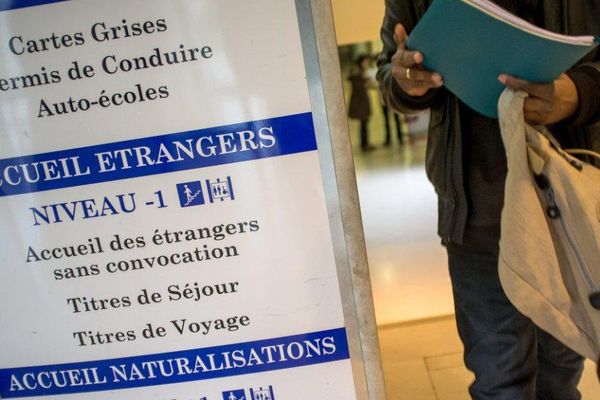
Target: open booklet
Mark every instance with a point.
(471, 42)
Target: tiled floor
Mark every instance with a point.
(422, 354)
(423, 361)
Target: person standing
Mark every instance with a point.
(511, 358)
(360, 103)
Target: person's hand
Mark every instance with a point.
(407, 69)
(547, 103)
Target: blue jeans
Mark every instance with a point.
(511, 358)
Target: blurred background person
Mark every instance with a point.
(360, 103)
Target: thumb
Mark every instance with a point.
(400, 35)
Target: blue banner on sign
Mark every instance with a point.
(14, 4)
(182, 366)
(158, 155)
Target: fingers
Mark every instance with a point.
(540, 90)
(405, 57)
(418, 77)
(537, 111)
(407, 69)
(421, 75)
(536, 105)
(534, 119)
(539, 107)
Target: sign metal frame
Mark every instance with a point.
(315, 18)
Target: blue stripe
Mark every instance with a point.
(14, 4)
(292, 134)
(266, 355)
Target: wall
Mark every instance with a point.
(357, 21)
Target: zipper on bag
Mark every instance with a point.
(553, 212)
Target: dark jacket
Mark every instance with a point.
(444, 160)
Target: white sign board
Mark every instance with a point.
(165, 232)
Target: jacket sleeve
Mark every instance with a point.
(399, 12)
(587, 80)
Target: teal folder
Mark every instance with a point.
(471, 42)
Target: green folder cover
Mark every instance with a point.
(471, 42)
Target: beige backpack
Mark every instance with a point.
(550, 243)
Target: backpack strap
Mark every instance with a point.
(583, 152)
